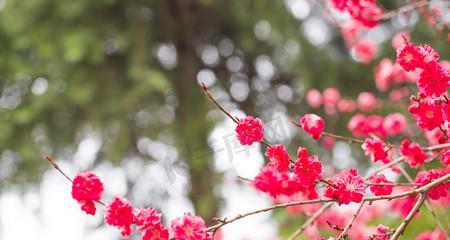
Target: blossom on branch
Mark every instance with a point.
(189, 227)
(279, 157)
(308, 169)
(379, 190)
(250, 130)
(148, 221)
(86, 189)
(347, 186)
(425, 177)
(413, 153)
(119, 213)
(313, 125)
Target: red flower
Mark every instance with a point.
(279, 157)
(427, 114)
(445, 158)
(374, 125)
(378, 190)
(414, 154)
(433, 80)
(250, 130)
(425, 177)
(267, 181)
(408, 56)
(119, 213)
(375, 149)
(189, 227)
(347, 187)
(271, 181)
(307, 168)
(87, 188)
(427, 55)
(148, 221)
(313, 125)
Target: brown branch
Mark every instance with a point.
(403, 9)
(350, 223)
(208, 94)
(408, 218)
(310, 220)
(422, 189)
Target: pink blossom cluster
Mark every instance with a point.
(366, 12)
(361, 126)
(119, 212)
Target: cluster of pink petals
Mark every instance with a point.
(425, 177)
(381, 233)
(278, 156)
(273, 182)
(148, 222)
(434, 78)
(361, 126)
(388, 73)
(250, 130)
(312, 124)
(119, 213)
(347, 186)
(384, 189)
(366, 12)
(403, 206)
(445, 158)
(190, 227)
(376, 149)
(86, 189)
(308, 169)
(428, 114)
(366, 102)
(414, 154)
(365, 50)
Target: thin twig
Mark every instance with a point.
(403, 9)
(310, 220)
(350, 223)
(424, 188)
(56, 166)
(399, 231)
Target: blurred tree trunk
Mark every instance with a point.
(192, 126)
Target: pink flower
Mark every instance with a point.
(414, 154)
(87, 188)
(384, 74)
(425, 177)
(250, 130)
(394, 124)
(427, 55)
(445, 158)
(381, 233)
(119, 213)
(399, 39)
(279, 157)
(271, 181)
(314, 98)
(189, 227)
(312, 124)
(427, 114)
(365, 50)
(148, 221)
(433, 80)
(348, 187)
(374, 125)
(356, 124)
(366, 101)
(330, 97)
(375, 149)
(307, 168)
(408, 56)
(437, 234)
(378, 190)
